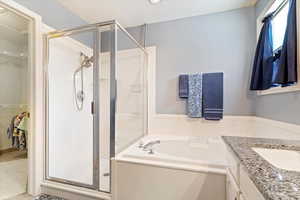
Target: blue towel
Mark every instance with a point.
(194, 102)
(183, 86)
(213, 96)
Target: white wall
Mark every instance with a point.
(13, 74)
(207, 43)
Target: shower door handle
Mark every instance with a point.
(92, 107)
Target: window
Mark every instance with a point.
(279, 24)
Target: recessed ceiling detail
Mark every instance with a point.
(137, 12)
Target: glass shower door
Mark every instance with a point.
(72, 104)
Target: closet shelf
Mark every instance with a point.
(13, 55)
(13, 106)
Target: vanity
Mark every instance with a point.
(262, 169)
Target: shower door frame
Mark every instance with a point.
(96, 50)
(115, 26)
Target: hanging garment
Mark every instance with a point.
(17, 131)
(286, 67)
(20, 129)
(10, 129)
(262, 72)
(20, 139)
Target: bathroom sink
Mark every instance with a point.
(283, 159)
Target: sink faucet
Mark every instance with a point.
(150, 144)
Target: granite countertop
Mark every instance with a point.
(272, 182)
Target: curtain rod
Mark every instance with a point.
(279, 8)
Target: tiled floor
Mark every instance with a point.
(47, 197)
(13, 179)
(28, 197)
(21, 197)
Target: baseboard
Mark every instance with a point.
(2, 151)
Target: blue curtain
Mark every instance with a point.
(285, 72)
(263, 62)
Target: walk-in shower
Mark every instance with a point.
(99, 70)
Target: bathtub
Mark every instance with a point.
(179, 168)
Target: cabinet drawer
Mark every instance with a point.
(233, 165)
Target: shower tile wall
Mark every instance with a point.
(129, 115)
(130, 105)
(130, 99)
(70, 130)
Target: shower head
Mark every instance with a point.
(86, 61)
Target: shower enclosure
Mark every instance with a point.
(96, 101)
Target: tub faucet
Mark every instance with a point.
(150, 144)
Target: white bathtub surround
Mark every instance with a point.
(191, 153)
(198, 162)
(138, 181)
(13, 179)
(129, 128)
(247, 126)
(104, 174)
